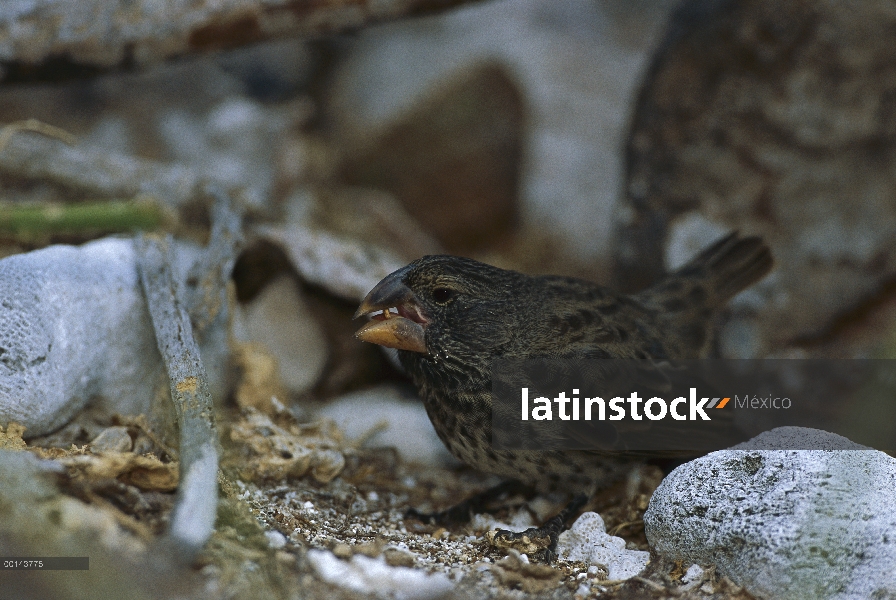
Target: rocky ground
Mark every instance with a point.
(306, 512)
(605, 140)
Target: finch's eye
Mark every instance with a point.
(442, 295)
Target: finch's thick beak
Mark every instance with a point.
(403, 328)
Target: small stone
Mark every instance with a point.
(694, 573)
(326, 464)
(370, 549)
(342, 550)
(276, 540)
(398, 558)
(112, 439)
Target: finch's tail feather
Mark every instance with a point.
(729, 266)
(686, 298)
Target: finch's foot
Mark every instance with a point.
(463, 511)
(538, 543)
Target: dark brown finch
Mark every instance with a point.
(449, 317)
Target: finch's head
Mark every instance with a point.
(441, 303)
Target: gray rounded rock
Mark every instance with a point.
(785, 523)
(74, 328)
(73, 325)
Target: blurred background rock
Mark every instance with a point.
(776, 118)
(609, 140)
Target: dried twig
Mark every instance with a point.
(193, 517)
(171, 310)
(35, 126)
(212, 273)
(656, 587)
(623, 525)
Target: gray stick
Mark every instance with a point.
(207, 299)
(193, 518)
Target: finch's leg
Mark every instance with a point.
(538, 543)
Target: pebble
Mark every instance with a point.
(112, 439)
(276, 540)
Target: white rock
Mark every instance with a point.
(372, 575)
(279, 319)
(407, 427)
(74, 326)
(693, 574)
(519, 521)
(276, 540)
(112, 439)
(785, 523)
(587, 541)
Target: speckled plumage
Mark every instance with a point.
(489, 313)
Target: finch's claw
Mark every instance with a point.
(538, 543)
